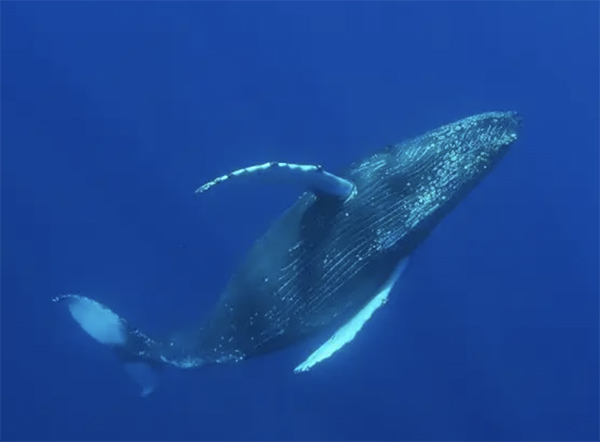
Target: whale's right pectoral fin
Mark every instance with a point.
(349, 330)
(314, 177)
(110, 329)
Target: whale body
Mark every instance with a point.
(329, 261)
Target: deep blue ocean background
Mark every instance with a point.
(113, 113)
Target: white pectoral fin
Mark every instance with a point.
(349, 330)
(344, 335)
(314, 177)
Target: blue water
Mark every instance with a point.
(113, 113)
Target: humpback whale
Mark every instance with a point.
(329, 261)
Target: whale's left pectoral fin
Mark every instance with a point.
(314, 177)
(349, 330)
(111, 330)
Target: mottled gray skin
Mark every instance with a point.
(325, 258)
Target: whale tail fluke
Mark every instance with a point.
(133, 348)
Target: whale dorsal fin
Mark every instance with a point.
(313, 176)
